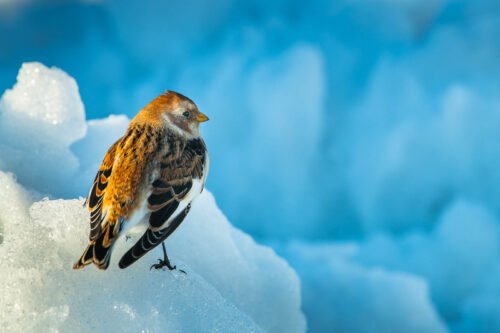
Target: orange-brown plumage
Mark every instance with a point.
(161, 144)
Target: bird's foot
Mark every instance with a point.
(165, 263)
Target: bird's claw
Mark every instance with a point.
(163, 263)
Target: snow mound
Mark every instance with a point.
(232, 284)
(54, 110)
(345, 296)
(39, 118)
(44, 138)
(464, 244)
(424, 281)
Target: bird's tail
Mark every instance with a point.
(98, 251)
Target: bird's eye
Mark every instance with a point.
(186, 114)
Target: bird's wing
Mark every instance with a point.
(170, 197)
(175, 184)
(113, 195)
(151, 239)
(97, 192)
(131, 167)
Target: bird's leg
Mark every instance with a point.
(165, 262)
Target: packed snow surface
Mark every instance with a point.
(232, 284)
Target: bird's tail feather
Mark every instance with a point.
(97, 252)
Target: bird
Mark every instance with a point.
(148, 178)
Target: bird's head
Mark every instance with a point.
(176, 111)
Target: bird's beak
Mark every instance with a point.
(201, 117)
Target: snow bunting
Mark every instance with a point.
(150, 176)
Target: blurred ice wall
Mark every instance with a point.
(329, 119)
